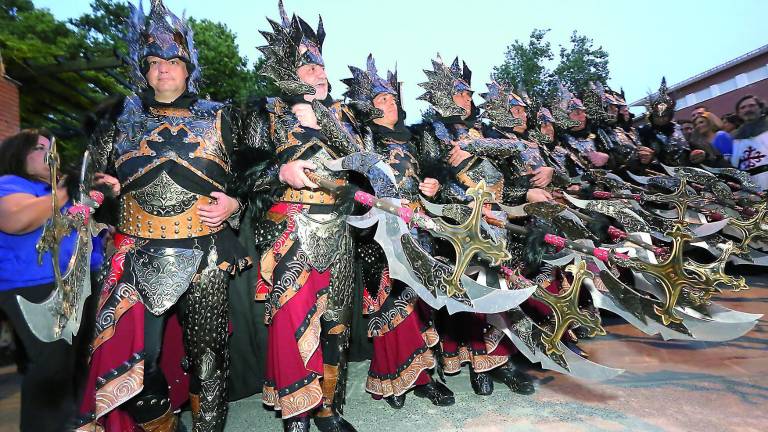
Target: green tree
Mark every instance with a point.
(523, 66)
(102, 29)
(225, 73)
(582, 63)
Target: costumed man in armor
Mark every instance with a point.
(623, 131)
(508, 119)
(400, 324)
(306, 271)
(662, 139)
(579, 138)
(454, 138)
(175, 247)
(603, 108)
(545, 134)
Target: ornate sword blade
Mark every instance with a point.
(526, 336)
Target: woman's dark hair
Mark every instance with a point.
(15, 148)
(733, 119)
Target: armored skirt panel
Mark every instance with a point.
(306, 279)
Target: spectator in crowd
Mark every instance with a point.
(710, 138)
(750, 141)
(48, 389)
(698, 111)
(731, 122)
(686, 126)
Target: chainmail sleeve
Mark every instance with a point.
(101, 133)
(494, 148)
(255, 166)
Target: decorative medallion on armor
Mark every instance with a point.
(162, 275)
(291, 44)
(161, 34)
(443, 82)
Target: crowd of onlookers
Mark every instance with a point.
(714, 134)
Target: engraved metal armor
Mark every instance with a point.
(162, 275)
(400, 156)
(155, 151)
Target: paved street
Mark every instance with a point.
(667, 386)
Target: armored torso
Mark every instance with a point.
(474, 169)
(168, 161)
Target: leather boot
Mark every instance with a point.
(482, 384)
(207, 419)
(296, 424)
(333, 423)
(436, 392)
(517, 380)
(395, 401)
(168, 422)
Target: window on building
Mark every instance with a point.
(704, 94)
(739, 81)
(727, 85)
(758, 74)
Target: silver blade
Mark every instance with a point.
(44, 319)
(708, 327)
(647, 325)
(516, 211)
(670, 170)
(708, 228)
(520, 329)
(388, 234)
(638, 178)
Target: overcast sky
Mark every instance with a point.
(645, 39)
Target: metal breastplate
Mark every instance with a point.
(471, 176)
(531, 159)
(188, 137)
(400, 157)
(582, 145)
(559, 156)
(620, 143)
(162, 275)
(320, 236)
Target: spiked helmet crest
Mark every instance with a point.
(365, 85)
(160, 34)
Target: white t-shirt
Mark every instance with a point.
(751, 153)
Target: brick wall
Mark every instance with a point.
(9, 107)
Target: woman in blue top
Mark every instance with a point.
(48, 389)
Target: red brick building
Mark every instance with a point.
(9, 105)
(720, 87)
